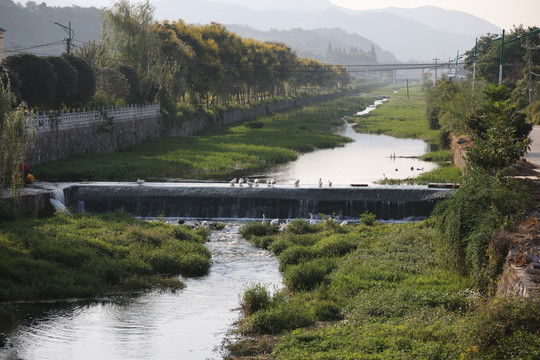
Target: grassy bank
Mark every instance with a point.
(380, 291)
(400, 117)
(404, 116)
(84, 256)
(219, 152)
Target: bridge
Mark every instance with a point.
(451, 66)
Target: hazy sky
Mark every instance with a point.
(503, 13)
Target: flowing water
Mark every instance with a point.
(188, 324)
(192, 323)
(369, 158)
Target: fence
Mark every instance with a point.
(63, 120)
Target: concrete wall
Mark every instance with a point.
(88, 132)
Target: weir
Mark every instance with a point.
(223, 201)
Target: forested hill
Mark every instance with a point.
(31, 28)
(326, 45)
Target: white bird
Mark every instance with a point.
(140, 181)
(344, 223)
(268, 183)
(320, 182)
(311, 221)
(297, 182)
(329, 183)
(256, 182)
(274, 222)
(263, 220)
(233, 181)
(249, 183)
(240, 182)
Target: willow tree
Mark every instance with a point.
(16, 138)
(129, 37)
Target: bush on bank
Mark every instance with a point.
(82, 256)
(383, 291)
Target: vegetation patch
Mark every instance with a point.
(219, 152)
(82, 256)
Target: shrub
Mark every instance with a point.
(257, 229)
(335, 246)
(256, 297)
(294, 255)
(367, 218)
(467, 220)
(283, 316)
(254, 125)
(308, 275)
(300, 226)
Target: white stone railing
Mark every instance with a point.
(62, 120)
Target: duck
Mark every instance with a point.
(140, 181)
(320, 182)
(256, 182)
(297, 182)
(232, 182)
(329, 183)
(240, 182)
(249, 183)
(273, 181)
(268, 183)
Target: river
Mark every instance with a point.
(367, 159)
(192, 323)
(188, 324)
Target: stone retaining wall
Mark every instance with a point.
(108, 130)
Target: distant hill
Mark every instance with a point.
(408, 35)
(447, 20)
(315, 43)
(31, 27)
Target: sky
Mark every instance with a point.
(503, 13)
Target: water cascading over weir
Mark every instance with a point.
(221, 201)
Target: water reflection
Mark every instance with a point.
(189, 324)
(366, 160)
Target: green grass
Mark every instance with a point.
(388, 294)
(219, 152)
(442, 174)
(83, 256)
(399, 117)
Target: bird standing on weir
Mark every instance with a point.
(320, 182)
(297, 182)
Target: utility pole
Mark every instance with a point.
(474, 65)
(435, 69)
(501, 59)
(70, 34)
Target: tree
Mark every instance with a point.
(129, 35)
(67, 76)
(86, 81)
(17, 135)
(112, 83)
(37, 76)
(499, 130)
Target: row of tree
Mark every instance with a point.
(202, 63)
(140, 60)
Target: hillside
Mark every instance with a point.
(315, 43)
(31, 27)
(408, 35)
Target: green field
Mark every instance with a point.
(219, 152)
(400, 116)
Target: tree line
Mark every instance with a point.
(139, 59)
